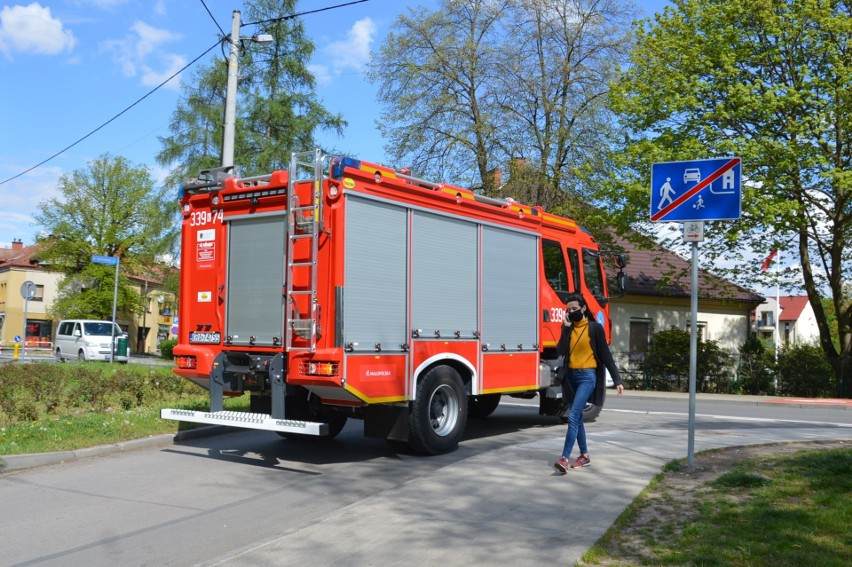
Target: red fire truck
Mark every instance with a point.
(344, 289)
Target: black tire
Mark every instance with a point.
(590, 412)
(58, 355)
(480, 407)
(301, 407)
(81, 356)
(439, 412)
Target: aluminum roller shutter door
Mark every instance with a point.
(509, 289)
(255, 304)
(376, 283)
(444, 287)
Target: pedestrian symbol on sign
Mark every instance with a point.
(666, 193)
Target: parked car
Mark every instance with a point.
(88, 340)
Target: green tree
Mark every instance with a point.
(277, 108)
(110, 209)
(769, 81)
(479, 85)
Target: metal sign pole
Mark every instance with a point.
(114, 303)
(110, 261)
(27, 292)
(693, 356)
(24, 335)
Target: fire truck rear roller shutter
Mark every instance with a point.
(445, 289)
(376, 272)
(509, 289)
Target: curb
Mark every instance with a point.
(11, 463)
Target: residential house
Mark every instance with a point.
(795, 317)
(19, 264)
(659, 293)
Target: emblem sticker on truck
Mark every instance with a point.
(205, 338)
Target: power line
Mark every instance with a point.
(212, 18)
(146, 95)
(290, 17)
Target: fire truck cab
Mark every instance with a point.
(344, 289)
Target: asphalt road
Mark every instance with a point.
(251, 498)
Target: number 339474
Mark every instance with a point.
(201, 218)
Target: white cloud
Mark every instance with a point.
(22, 197)
(174, 63)
(140, 54)
(352, 53)
(31, 29)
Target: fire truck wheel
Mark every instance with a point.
(591, 411)
(482, 406)
(439, 413)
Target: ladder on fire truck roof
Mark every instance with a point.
(299, 227)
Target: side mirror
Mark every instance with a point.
(620, 261)
(77, 333)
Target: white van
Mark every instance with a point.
(86, 340)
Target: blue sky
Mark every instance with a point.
(68, 66)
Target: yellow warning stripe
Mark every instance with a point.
(361, 395)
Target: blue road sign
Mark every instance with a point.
(108, 260)
(700, 190)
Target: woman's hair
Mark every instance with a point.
(578, 297)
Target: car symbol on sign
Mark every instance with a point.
(691, 174)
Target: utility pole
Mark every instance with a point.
(231, 92)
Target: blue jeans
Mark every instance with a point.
(583, 382)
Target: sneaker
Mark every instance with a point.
(562, 465)
(581, 461)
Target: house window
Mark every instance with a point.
(39, 293)
(640, 333)
(702, 329)
(767, 319)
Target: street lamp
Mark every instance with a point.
(231, 92)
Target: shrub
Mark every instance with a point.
(804, 371)
(667, 363)
(756, 369)
(29, 392)
(166, 348)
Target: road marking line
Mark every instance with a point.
(735, 418)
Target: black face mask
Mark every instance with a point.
(576, 316)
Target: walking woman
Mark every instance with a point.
(587, 357)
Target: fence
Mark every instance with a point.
(38, 347)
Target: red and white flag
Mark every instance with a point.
(768, 260)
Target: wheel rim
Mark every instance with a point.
(443, 410)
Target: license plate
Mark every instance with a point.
(205, 338)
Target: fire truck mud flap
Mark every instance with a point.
(247, 421)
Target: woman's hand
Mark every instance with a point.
(619, 389)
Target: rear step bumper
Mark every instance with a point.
(247, 421)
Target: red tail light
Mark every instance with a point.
(187, 362)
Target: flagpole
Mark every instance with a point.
(777, 307)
